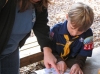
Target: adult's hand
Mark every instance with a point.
(49, 59)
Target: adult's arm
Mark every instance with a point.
(41, 29)
(2, 3)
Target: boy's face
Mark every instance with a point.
(72, 30)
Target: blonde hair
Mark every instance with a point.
(81, 16)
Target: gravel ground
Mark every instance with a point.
(57, 13)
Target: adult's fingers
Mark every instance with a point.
(47, 65)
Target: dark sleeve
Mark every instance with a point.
(2, 3)
(58, 57)
(41, 29)
(88, 45)
(80, 60)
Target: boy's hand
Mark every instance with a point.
(75, 69)
(61, 65)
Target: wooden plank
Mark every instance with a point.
(28, 46)
(30, 51)
(30, 42)
(31, 59)
(31, 39)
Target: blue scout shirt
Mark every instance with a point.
(66, 45)
(23, 24)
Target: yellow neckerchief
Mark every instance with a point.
(68, 43)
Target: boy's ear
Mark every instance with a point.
(67, 16)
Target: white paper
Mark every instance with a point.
(50, 71)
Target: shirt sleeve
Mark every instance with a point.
(41, 29)
(87, 47)
(2, 3)
(54, 30)
(58, 57)
(80, 60)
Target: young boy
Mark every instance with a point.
(72, 41)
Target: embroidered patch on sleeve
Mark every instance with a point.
(88, 46)
(88, 43)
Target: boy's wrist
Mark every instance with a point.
(58, 58)
(77, 64)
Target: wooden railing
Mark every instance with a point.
(31, 59)
(30, 52)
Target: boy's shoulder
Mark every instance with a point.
(88, 32)
(88, 36)
(57, 26)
